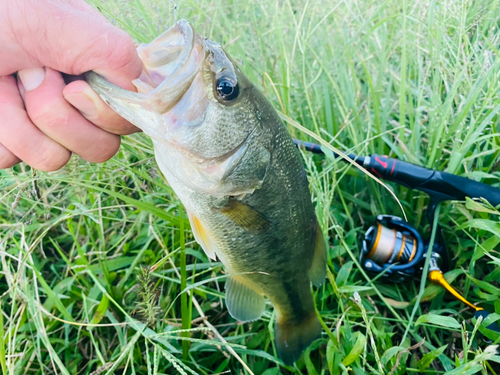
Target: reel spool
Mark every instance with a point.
(392, 246)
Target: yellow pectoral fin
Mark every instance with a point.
(202, 236)
(245, 216)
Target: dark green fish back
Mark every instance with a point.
(282, 253)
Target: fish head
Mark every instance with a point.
(198, 108)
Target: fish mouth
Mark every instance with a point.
(171, 61)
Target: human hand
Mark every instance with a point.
(43, 119)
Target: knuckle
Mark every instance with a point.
(7, 159)
(49, 115)
(51, 165)
(122, 57)
(49, 159)
(107, 149)
(121, 52)
(114, 49)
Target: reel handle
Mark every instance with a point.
(436, 277)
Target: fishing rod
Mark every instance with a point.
(393, 247)
(439, 185)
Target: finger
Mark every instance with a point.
(71, 39)
(7, 158)
(55, 117)
(93, 108)
(21, 137)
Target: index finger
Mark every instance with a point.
(74, 40)
(81, 96)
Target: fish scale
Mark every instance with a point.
(234, 166)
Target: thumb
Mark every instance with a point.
(74, 38)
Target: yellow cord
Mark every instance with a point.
(436, 277)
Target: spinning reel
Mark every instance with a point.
(395, 249)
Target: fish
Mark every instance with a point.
(228, 156)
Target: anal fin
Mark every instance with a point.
(317, 272)
(244, 304)
(202, 236)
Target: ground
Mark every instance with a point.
(99, 266)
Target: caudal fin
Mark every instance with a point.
(293, 338)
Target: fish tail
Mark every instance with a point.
(292, 337)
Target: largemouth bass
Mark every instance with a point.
(228, 156)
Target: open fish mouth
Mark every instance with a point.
(171, 61)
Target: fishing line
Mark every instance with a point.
(343, 156)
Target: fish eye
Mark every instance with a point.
(227, 89)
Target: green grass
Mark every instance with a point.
(100, 271)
